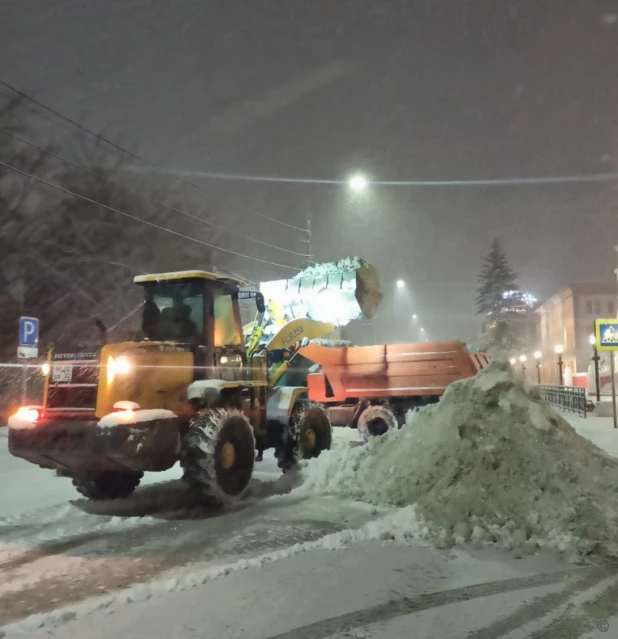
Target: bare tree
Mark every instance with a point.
(68, 259)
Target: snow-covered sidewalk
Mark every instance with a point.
(599, 430)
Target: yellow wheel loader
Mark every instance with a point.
(188, 390)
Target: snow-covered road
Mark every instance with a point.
(56, 548)
(273, 567)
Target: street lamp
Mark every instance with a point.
(592, 340)
(559, 349)
(414, 316)
(401, 284)
(513, 361)
(523, 359)
(537, 357)
(358, 182)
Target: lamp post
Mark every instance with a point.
(523, 359)
(513, 361)
(537, 357)
(559, 349)
(595, 358)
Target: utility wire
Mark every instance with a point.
(508, 181)
(148, 197)
(147, 162)
(53, 185)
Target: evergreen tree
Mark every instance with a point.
(499, 301)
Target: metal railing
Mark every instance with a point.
(568, 398)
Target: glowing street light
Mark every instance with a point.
(414, 316)
(559, 349)
(358, 182)
(513, 361)
(401, 283)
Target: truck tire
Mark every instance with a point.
(376, 420)
(109, 485)
(217, 456)
(307, 435)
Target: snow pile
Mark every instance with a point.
(490, 463)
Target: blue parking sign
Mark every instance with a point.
(28, 331)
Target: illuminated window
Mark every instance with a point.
(225, 322)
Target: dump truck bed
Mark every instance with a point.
(393, 370)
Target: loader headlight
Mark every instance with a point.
(118, 366)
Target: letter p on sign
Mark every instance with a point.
(28, 331)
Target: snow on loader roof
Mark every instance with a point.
(490, 463)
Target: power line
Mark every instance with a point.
(147, 162)
(509, 181)
(148, 197)
(138, 219)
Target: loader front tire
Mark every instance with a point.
(217, 456)
(109, 485)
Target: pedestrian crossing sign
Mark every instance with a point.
(606, 333)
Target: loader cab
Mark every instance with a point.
(196, 310)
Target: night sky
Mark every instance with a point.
(427, 90)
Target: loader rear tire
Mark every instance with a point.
(110, 485)
(307, 435)
(217, 456)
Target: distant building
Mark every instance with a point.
(567, 319)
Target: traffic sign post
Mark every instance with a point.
(606, 334)
(27, 348)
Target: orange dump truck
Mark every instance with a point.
(373, 387)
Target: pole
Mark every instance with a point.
(612, 368)
(597, 379)
(24, 384)
(309, 238)
(538, 373)
(560, 364)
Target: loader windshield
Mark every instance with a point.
(174, 311)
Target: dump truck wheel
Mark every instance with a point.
(218, 454)
(110, 485)
(375, 421)
(307, 435)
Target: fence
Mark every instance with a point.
(568, 398)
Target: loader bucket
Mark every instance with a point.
(333, 292)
